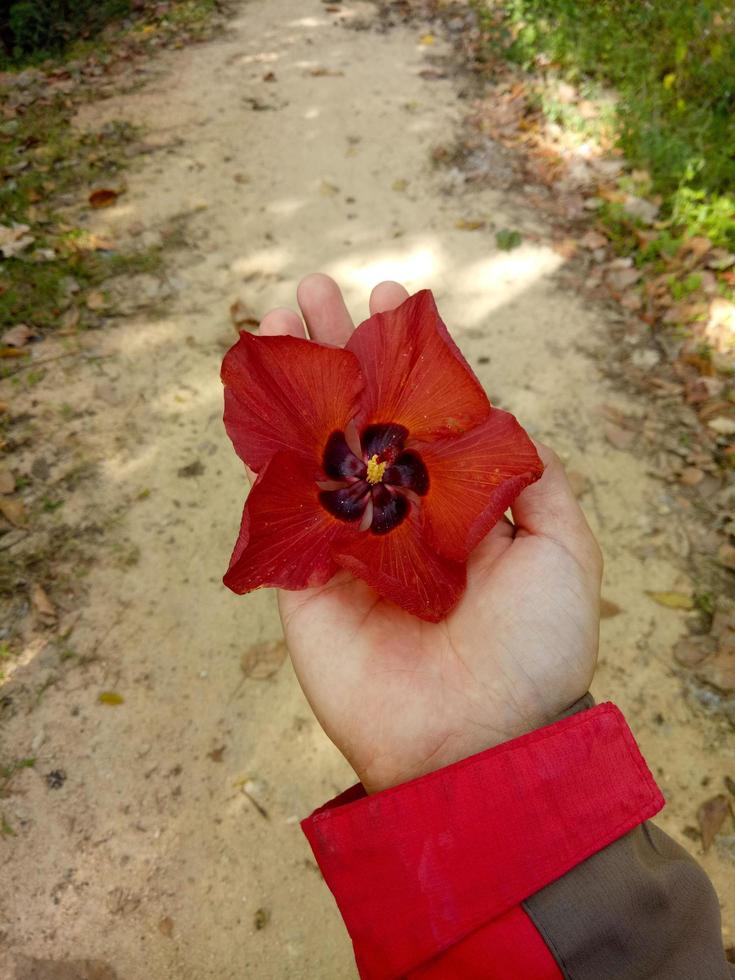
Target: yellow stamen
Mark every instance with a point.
(375, 470)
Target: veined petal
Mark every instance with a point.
(286, 535)
(415, 374)
(283, 393)
(403, 566)
(473, 479)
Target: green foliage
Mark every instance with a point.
(672, 62)
(507, 239)
(42, 27)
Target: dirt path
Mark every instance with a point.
(172, 849)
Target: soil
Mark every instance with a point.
(157, 831)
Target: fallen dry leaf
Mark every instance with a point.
(692, 650)
(103, 197)
(617, 436)
(42, 604)
(96, 301)
(111, 698)
(13, 511)
(690, 476)
(19, 335)
(242, 317)
(609, 609)
(722, 425)
(325, 72)
(7, 480)
(566, 247)
(14, 239)
(328, 189)
(719, 671)
(166, 926)
(469, 224)
(217, 754)
(427, 39)
(726, 555)
(12, 352)
(593, 240)
(263, 660)
(672, 600)
(711, 816)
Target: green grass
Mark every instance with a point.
(672, 64)
(44, 158)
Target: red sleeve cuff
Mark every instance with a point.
(417, 867)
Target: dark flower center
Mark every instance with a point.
(371, 478)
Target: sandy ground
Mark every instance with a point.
(151, 857)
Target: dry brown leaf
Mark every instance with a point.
(14, 239)
(672, 600)
(325, 72)
(719, 672)
(42, 604)
(96, 301)
(567, 248)
(242, 317)
(692, 650)
(216, 755)
(690, 476)
(711, 816)
(263, 660)
(166, 926)
(103, 197)
(13, 511)
(617, 436)
(593, 240)
(609, 609)
(695, 248)
(726, 555)
(468, 224)
(7, 480)
(12, 352)
(19, 335)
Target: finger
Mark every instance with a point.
(324, 310)
(387, 296)
(282, 322)
(548, 508)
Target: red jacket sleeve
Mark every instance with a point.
(431, 876)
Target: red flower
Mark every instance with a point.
(384, 458)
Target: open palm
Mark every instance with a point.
(400, 696)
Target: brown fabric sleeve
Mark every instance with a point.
(640, 909)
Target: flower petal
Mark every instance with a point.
(339, 461)
(403, 567)
(286, 535)
(473, 479)
(414, 373)
(408, 470)
(283, 393)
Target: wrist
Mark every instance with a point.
(387, 771)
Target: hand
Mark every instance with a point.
(400, 697)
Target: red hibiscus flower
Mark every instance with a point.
(384, 458)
